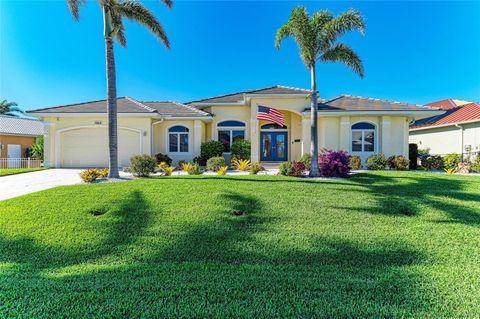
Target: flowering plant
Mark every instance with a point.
(334, 164)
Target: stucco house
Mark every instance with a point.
(76, 134)
(457, 130)
(17, 135)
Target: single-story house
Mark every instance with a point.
(455, 131)
(17, 135)
(76, 134)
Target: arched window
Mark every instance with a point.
(273, 126)
(363, 137)
(229, 132)
(178, 139)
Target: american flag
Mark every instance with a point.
(270, 114)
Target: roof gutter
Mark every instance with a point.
(83, 114)
(442, 125)
(404, 113)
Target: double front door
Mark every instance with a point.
(274, 146)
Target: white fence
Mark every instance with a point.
(20, 163)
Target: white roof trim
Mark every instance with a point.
(82, 114)
(385, 112)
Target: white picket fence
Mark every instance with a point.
(20, 163)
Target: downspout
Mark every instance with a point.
(461, 140)
(152, 132)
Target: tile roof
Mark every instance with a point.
(448, 103)
(346, 103)
(124, 105)
(12, 125)
(459, 114)
(169, 108)
(128, 105)
(238, 96)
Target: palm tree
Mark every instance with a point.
(114, 11)
(9, 108)
(316, 37)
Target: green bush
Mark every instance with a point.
(376, 162)
(38, 148)
(451, 161)
(142, 165)
(355, 162)
(89, 175)
(391, 162)
(306, 159)
(255, 168)
(215, 163)
(163, 158)
(286, 168)
(476, 164)
(195, 170)
(199, 160)
(413, 155)
(241, 149)
(103, 173)
(433, 162)
(211, 149)
(400, 162)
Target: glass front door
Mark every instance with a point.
(274, 146)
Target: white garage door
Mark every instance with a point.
(88, 147)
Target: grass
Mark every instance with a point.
(386, 244)
(13, 171)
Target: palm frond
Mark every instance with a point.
(74, 6)
(347, 21)
(137, 12)
(118, 29)
(282, 33)
(168, 3)
(343, 53)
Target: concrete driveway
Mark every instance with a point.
(26, 183)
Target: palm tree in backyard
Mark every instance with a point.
(9, 108)
(114, 12)
(316, 37)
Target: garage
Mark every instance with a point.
(88, 147)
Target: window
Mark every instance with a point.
(229, 132)
(363, 137)
(178, 139)
(273, 126)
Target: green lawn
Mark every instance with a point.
(13, 171)
(387, 244)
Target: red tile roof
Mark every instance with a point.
(465, 113)
(444, 104)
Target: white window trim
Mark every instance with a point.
(230, 129)
(375, 137)
(167, 146)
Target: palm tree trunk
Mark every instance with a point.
(111, 97)
(314, 171)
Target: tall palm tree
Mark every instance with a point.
(114, 11)
(9, 108)
(316, 37)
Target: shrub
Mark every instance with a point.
(168, 170)
(476, 165)
(464, 168)
(413, 155)
(355, 162)
(433, 162)
(306, 159)
(286, 168)
(222, 170)
(181, 162)
(163, 158)
(211, 149)
(103, 173)
(451, 160)
(200, 161)
(449, 170)
(214, 163)
(186, 167)
(255, 168)
(377, 162)
(142, 165)
(391, 162)
(196, 170)
(292, 168)
(334, 164)
(38, 148)
(89, 175)
(423, 153)
(400, 162)
(241, 164)
(241, 149)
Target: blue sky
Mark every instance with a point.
(412, 51)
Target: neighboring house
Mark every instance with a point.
(17, 134)
(76, 134)
(455, 131)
